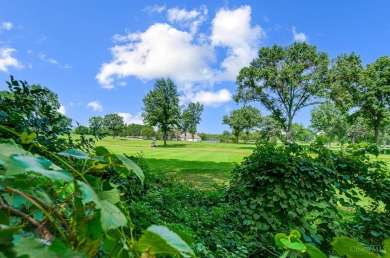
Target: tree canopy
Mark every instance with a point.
(284, 80)
(34, 108)
(365, 89)
(161, 106)
(113, 123)
(191, 118)
(242, 120)
(328, 119)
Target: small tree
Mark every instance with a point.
(161, 106)
(113, 123)
(148, 132)
(193, 116)
(81, 129)
(330, 120)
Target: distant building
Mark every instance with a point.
(188, 138)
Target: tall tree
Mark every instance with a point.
(284, 80)
(161, 106)
(330, 120)
(193, 115)
(367, 89)
(113, 123)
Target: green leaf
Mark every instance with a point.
(295, 233)
(386, 245)
(160, 240)
(6, 231)
(351, 248)
(77, 154)
(4, 218)
(278, 237)
(375, 233)
(21, 164)
(110, 216)
(295, 246)
(27, 138)
(285, 254)
(314, 252)
(132, 166)
(32, 248)
(2, 255)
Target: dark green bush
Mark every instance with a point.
(279, 188)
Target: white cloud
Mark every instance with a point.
(7, 25)
(160, 51)
(62, 110)
(299, 36)
(188, 19)
(155, 8)
(212, 99)
(7, 60)
(43, 58)
(232, 29)
(179, 51)
(95, 105)
(130, 119)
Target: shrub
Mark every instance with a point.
(279, 188)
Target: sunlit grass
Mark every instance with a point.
(202, 163)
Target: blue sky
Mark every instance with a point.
(103, 57)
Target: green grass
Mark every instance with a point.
(201, 163)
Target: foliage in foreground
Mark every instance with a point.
(282, 187)
(46, 211)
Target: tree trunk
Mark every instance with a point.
(376, 132)
(165, 138)
(288, 135)
(288, 130)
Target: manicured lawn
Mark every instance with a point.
(202, 163)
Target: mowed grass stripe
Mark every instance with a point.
(201, 163)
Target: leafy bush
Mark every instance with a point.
(282, 187)
(34, 109)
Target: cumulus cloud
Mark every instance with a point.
(7, 25)
(95, 105)
(232, 29)
(299, 36)
(188, 19)
(179, 51)
(7, 60)
(130, 119)
(62, 110)
(160, 51)
(212, 99)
